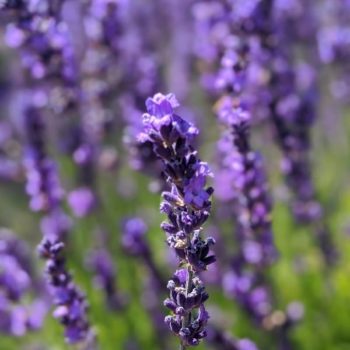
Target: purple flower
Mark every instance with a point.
(14, 280)
(71, 305)
(161, 106)
(230, 111)
(181, 301)
(195, 195)
(44, 187)
(17, 282)
(187, 206)
(251, 193)
(242, 80)
(41, 171)
(45, 48)
(82, 201)
(160, 116)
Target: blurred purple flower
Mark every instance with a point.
(82, 201)
(17, 281)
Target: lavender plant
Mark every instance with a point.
(187, 206)
(43, 185)
(45, 193)
(242, 180)
(17, 281)
(251, 205)
(252, 35)
(247, 280)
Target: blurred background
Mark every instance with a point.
(89, 66)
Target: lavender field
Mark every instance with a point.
(175, 174)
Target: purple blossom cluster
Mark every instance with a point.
(250, 204)
(17, 281)
(265, 78)
(249, 186)
(71, 306)
(45, 192)
(187, 206)
(46, 53)
(242, 178)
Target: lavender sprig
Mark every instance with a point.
(134, 243)
(243, 84)
(261, 71)
(71, 303)
(44, 188)
(17, 280)
(252, 207)
(47, 59)
(187, 206)
(249, 184)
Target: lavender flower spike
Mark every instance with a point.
(187, 206)
(45, 191)
(18, 316)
